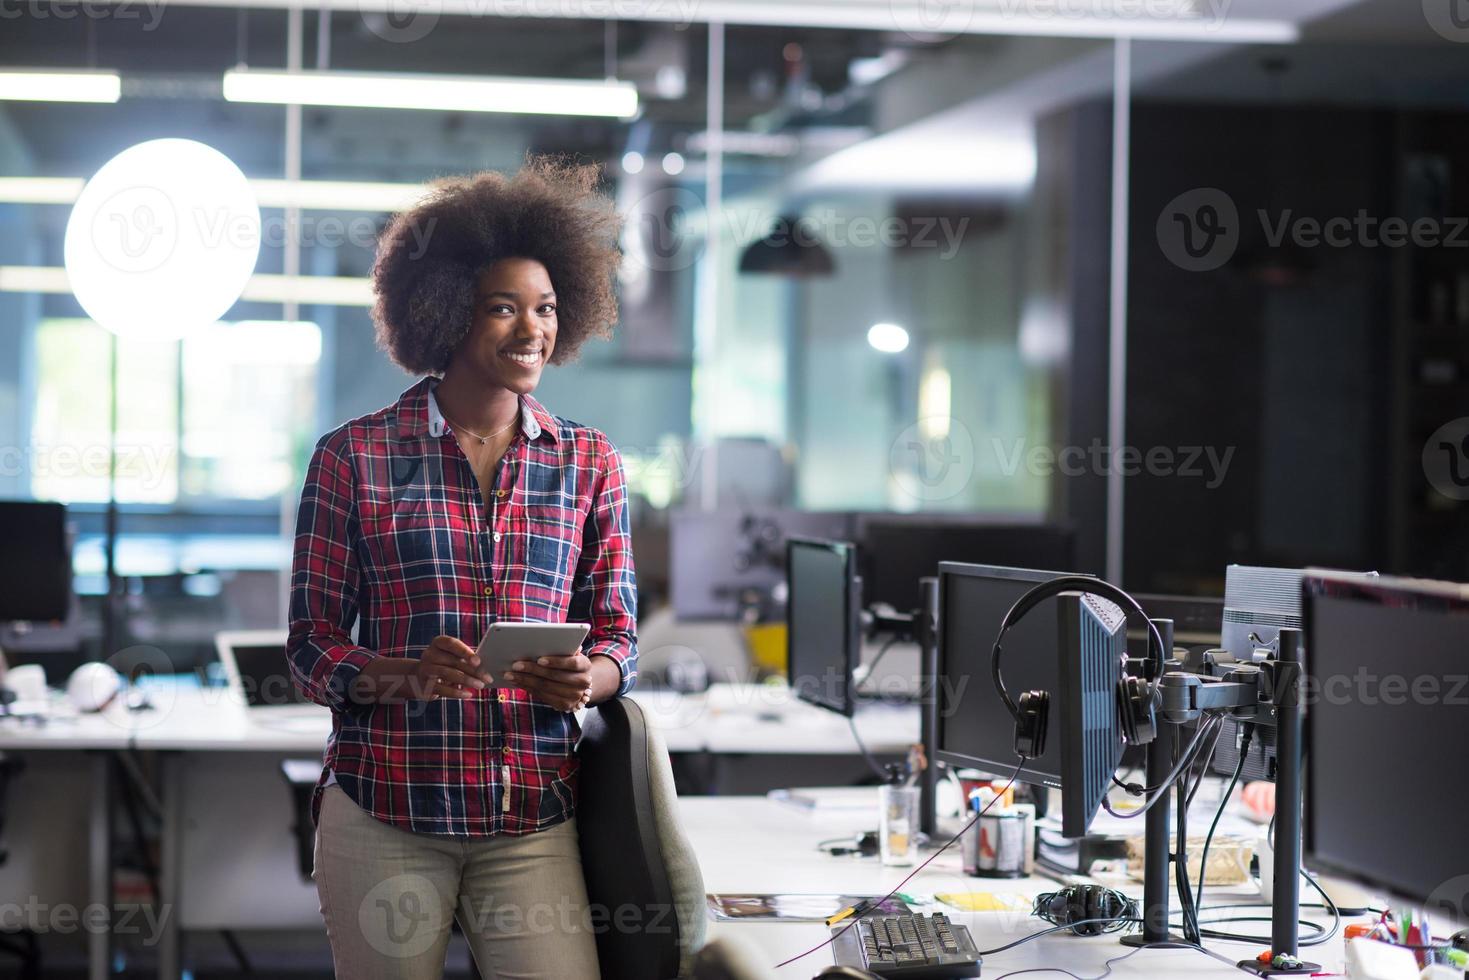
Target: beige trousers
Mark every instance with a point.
(388, 897)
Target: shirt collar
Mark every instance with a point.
(418, 414)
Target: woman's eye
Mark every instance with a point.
(547, 309)
(500, 308)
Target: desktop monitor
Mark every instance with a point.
(35, 578)
(1258, 602)
(898, 551)
(1386, 661)
(974, 728)
(823, 624)
(1093, 644)
(730, 564)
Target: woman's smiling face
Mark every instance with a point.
(514, 329)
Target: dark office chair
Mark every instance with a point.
(634, 853)
(301, 776)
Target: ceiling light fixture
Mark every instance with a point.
(456, 93)
(50, 85)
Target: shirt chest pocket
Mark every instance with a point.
(552, 550)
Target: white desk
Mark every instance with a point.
(755, 845)
(96, 736)
(188, 726)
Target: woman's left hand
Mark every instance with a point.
(565, 683)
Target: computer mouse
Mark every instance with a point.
(1460, 940)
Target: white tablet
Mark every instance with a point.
(506, 643)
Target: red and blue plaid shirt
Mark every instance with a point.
(394, 536)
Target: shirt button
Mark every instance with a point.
(500, 493)
(496, 537)
(489, 590)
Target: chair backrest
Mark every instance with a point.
(643, 880)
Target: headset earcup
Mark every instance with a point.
(1033, 723)
(1137, 710)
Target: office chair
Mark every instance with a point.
(634, 853)
(301, 776)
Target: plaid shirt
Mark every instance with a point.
(393, 535)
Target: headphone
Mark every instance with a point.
(1137, 698)
(1090, 910)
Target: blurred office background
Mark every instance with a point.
(958, 358)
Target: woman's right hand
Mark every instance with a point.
(446, 669)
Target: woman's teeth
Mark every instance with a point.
(529, 359)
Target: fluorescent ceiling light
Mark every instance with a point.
(306, 290)
(318, 195)
(459, 93)
(49, 85)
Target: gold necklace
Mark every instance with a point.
(482, 439)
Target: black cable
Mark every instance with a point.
(871, 762)
(912, 874)
(872, 667)
(1076, 976)
(1168, 781)
(1247, 736)
(1046, 932)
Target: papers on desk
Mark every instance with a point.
(793, 908)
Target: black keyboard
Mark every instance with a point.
(920, 947)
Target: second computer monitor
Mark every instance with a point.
(823, 607)
(1385, 695)
(974, 728)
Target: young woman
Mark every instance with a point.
(463, 503)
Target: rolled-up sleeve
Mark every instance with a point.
(325, 579)
(605, 571)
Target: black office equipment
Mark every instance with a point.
(35, 578)
(907, 947)
(730, 564)
(1387, 659)
(636, 860)
(1258, 603)
(823, 614)
(974, 727)
(898, 550)
(1093, 642)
